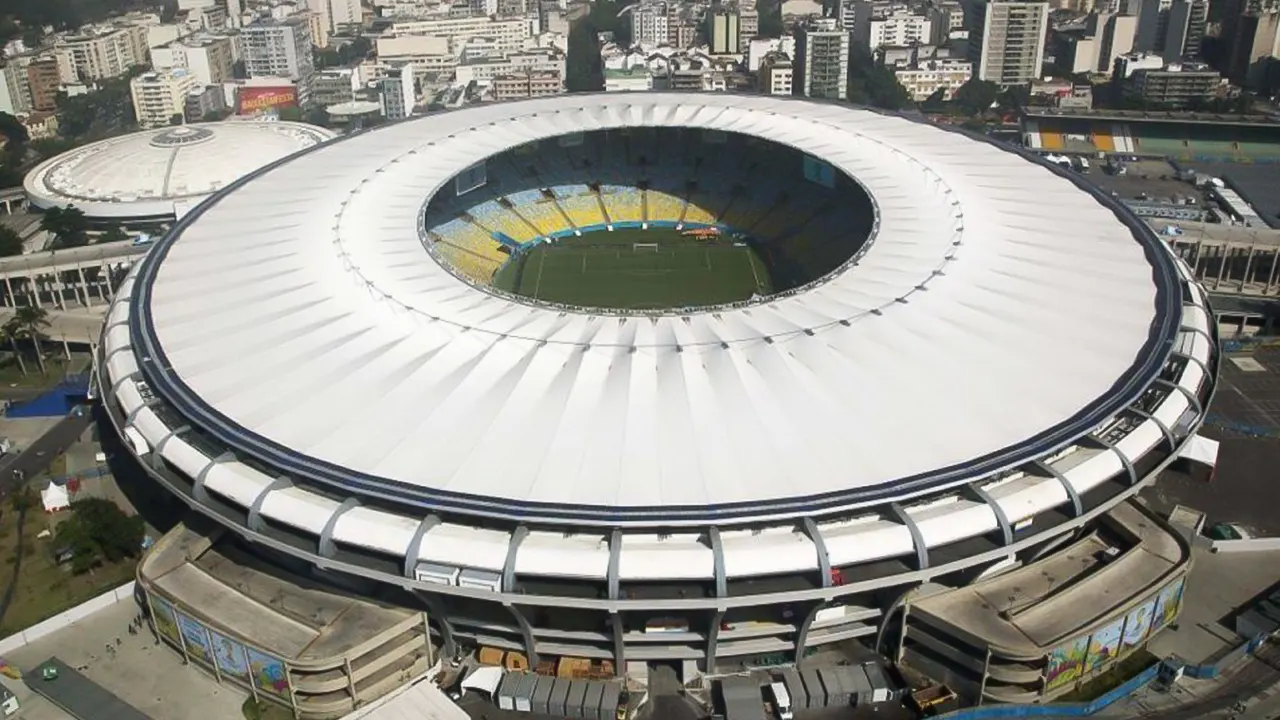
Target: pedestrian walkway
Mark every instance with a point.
(76, 694)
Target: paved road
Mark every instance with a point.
(37, 457)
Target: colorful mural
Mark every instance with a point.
(230, 656)
(1066, 663)
(1136, 626)
(268, 673)
(196, 637)
(1168, 602)
(163, 617)
(1104, 645)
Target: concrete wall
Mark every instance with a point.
(77, 613)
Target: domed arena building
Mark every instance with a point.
(693, 381)
(150, 178)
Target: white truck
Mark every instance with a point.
(781, 700)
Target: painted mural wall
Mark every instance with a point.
(1084, 655)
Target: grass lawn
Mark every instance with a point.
(44, 589)
(622, 269)
(56, 366)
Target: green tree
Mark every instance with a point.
(10, 242)
(936, 102)
(871, 83)
(98, 532)
(976, 96)
(27, 323)
(68, 226)
(12, 341)
(13, 131)
(113, 234)
(584, 70)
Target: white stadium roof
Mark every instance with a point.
(1000, 312)
(158, 173)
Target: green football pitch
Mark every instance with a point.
(635, 270)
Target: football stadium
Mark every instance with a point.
(661, 380)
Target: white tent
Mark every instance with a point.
(1200, 449)
(55, 497)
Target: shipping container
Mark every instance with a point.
(573, 705)
(860, 690)
(542, 695)
(881, 689)
(591, 703)
(524, 692)
(837, 693)
(559, 693)
(795, 687)
(609, 702)
(506, 691)
(813, 686)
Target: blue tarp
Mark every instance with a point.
(55, 402)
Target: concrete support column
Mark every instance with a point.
(58, 291)
(106, 279)
(1195, 268)
(1248, 264)
(526, 631)
(83, 287)
(1224, 254)
(1271, 276)
(619, 645)
(98, 284)
(713, 639)
(802, 633)
(34, 282)
(8, 289)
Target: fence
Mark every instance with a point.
(57, 622)
(1130, 686)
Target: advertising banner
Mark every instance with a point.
(165, 619)
(268, 673)
(230, 656)
(254, 99)
(197, 638)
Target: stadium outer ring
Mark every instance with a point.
(1132, 384)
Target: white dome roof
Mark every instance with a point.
(1002, 310)
(164, 172)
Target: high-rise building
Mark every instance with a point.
(649, 24)
(43, 81)
(507, 35)
(1006, 39)
(748, 26)
(399, 94)
(1153, 25)
(822, 60)
(159, 96)
(208, 57)
(1254, 40)
(1113, 35)
(280, 48)
(202, 101)
(724, 31)
(1185, 30)
(15, 90)
(97, 53)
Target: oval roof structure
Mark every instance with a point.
(165, 172)
(1003, 309)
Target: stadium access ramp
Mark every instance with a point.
(77, 695)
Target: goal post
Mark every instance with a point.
(638, 247)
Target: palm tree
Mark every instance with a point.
(27, 323)
(5, 335)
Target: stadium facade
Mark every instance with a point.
(1006, 356)
(150, 178)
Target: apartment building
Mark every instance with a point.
(650, 24)
(1006, 39)
(1184, 33)
(748, 26)
(898, 27)
(483, 70)
(398, 93)
(924, 78)
(509, 35)
(43, 81)
(202, 101)
(209, 58)
(100, 52)
(15, 91)
(280, 48)
(158, 96)
(724, 32)
(1174, 86)
(527, 85)
(334, 85)
(430, 53)
(776, 75)
(822, 60)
